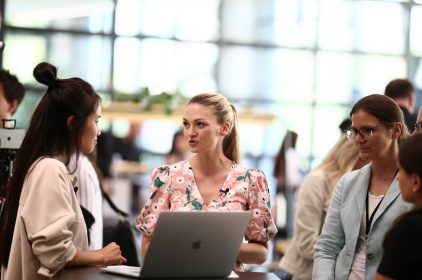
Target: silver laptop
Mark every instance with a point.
(194, 245)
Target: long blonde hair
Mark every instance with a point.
(225, 112)
(342, 158)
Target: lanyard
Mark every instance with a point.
(369, 219)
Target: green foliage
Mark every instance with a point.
(168, 100)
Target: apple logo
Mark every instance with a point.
(196, 244)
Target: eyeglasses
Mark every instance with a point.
(418, 127)
(364, 132)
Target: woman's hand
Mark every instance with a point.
(111, 255)
(253, 252)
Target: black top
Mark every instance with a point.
(402, 257)
(409, 119)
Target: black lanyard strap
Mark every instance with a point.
(369, 219)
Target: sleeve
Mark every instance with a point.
(401, 252)
(331, 240)
(48, 215)
(157, 202)
(261, 226)
(87, 183)
(309, 213)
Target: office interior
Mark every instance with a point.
(286, 65)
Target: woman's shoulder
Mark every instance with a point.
(248, 171)
(316, 174)
(48, 163)
(177, 167)
(355, 174)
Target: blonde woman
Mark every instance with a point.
(312, 203)
(212, 179)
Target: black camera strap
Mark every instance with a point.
(112, 205)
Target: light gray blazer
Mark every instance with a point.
(335, 249)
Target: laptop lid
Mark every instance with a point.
(195, 244)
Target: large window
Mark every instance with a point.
(306, 62)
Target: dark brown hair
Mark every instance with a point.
(13, 89)
(289, 141)
(47, 135)
(410, 155)
(384, 109)
(399, 88)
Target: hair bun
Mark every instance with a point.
(46, 74)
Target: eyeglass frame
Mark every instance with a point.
(418, 126)
(364, 135)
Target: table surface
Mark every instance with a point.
(93, 273)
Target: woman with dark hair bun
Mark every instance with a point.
(42, 227)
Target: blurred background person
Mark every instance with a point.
(402, 256)
(90, 197)
(179, 149)
(119, 160)
(345, 125)
(11, 95)
(311, 206)
(403, 93)
(418, 124)
(288, 176)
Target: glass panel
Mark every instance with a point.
(153, 129)
(127, 62)
(334, 77)
(86, 57)
(92, 53)
(349, 25)
(248, 21)
(93, 15)
(251, 139)
(417, 78)
(295, 23)
(287, 118)
(27, 107)
(415, 30)
(128, 17)
(22, 53)
(326, 123)
(371, 73)
(266, 74)
(183, 19)
(164, 65)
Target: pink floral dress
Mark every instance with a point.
(174, 188)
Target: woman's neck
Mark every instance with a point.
(385, 171)
(385, 168)
(208, 163)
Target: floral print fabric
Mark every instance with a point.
(174, 188)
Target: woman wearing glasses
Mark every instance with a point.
(366, 201)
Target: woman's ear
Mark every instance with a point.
(397, 130)
(71, 122)
(416, 183)
(225, 129)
